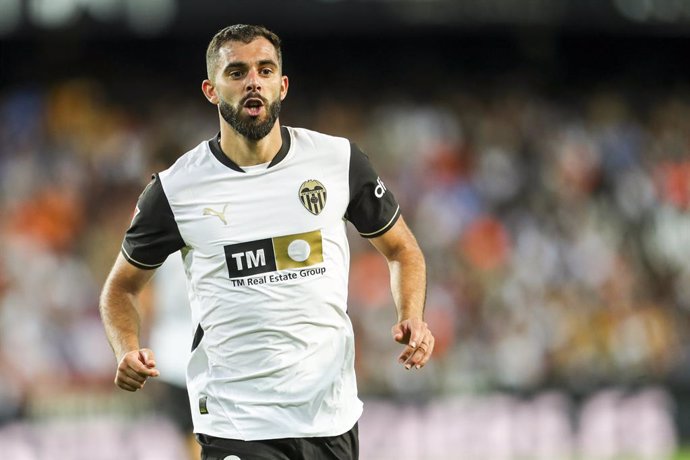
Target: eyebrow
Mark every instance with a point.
(243, 65)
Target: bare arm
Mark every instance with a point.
(121, 321)
(408, 285)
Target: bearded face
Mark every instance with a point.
(246, 118)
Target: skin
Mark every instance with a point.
(408, 285)
(120, 314)
(246, 69)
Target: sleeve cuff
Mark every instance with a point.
(138, 264)
(385, 228)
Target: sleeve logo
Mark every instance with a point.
(380, 188)
(135, 214)
(312, 194)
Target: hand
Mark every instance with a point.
(420, 342)
(134, 368)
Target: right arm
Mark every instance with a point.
(151, 237)
(120, 316)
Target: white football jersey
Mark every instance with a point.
(267, 258)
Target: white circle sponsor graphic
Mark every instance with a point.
(299, 250)
(232, 457)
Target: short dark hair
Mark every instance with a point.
(245, 33)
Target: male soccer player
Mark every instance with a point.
(258, 213)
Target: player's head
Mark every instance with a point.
(245, 33)
(245, 79)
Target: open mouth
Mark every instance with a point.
(253, 106)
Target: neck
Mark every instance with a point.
(248, 152)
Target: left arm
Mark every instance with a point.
(408, 285)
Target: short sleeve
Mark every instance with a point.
(372, 209)
(153, 233)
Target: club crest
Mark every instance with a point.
(312, 194)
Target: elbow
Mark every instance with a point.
(407, 252)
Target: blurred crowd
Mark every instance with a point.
(556, 230)
(557, 234)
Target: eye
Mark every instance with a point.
(266, 71)
(235, 74)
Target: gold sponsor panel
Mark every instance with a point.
(299, 250)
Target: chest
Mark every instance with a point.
(234, 208)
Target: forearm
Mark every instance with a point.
(121, 319)
(118, 305)
(408, 285)
(408, 282)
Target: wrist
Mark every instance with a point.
(121, 352)
(410, 317)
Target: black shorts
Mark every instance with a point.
(343, 447)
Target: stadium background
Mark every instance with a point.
(540, 150)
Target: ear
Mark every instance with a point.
(284, 83)
(209, 91)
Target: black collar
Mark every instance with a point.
(214, 145)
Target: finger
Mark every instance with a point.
(139, 367)
(420, 355)
(136, 382)
(398, 333)
(131, 373)
(127, 387)
(427, 354)
(127, 383)
(417, 334)
(146, 357)
(426, 357)
(414, 359)
(134, 369)
(407, 357)
(407, 354)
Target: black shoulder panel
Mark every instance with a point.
(153, 234)
(373, 209)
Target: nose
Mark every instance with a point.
(253, 81)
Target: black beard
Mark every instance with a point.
(250, 127)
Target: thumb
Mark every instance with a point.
(398, 332)
(146, 357)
